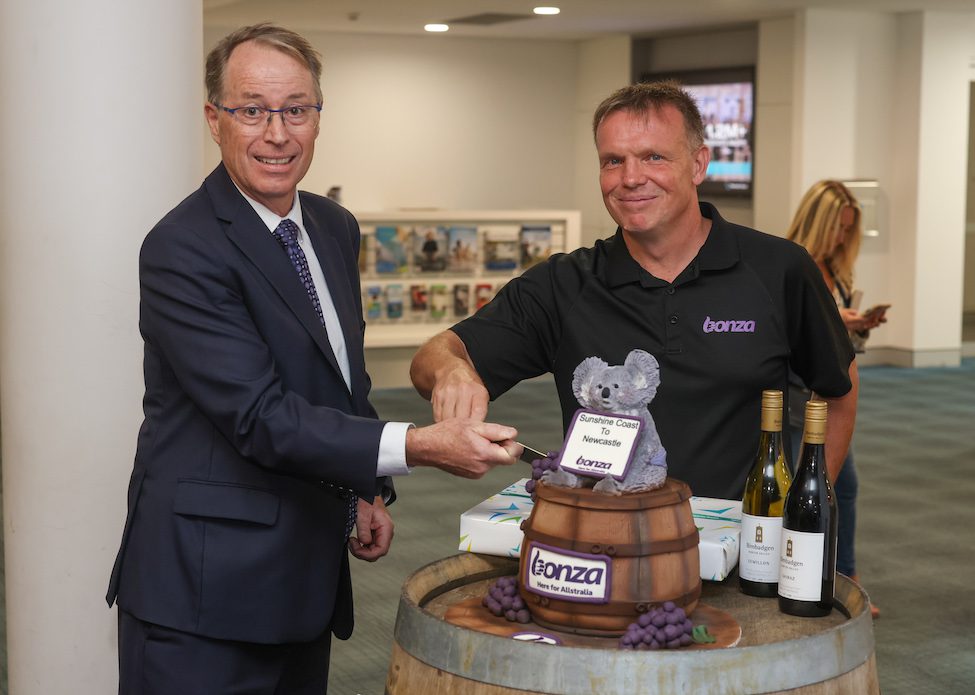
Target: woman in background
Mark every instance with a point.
(828, 224)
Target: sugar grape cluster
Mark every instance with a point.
(502, 599)
(539, 466)
(664, 627)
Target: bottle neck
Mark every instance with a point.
(769, 438)
(812, 458)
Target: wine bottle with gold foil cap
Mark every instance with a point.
(762, 505)
(807, 561)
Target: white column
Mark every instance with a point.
(100, 134)
(928, 190)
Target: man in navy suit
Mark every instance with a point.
(258, 440)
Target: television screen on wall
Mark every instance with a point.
(726, 99)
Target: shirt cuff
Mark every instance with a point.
(392, 450)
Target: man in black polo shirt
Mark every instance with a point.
(726, 310)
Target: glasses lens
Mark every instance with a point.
(297, 115)
(251, 115)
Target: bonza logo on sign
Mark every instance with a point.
(566, 575)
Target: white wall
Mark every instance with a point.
(443, 122)
(604, 66)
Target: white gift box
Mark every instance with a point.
(719, 526)
(493, 527)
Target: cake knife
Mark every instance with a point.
(529, 454)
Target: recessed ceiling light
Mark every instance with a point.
(436, 27)
(546, 10)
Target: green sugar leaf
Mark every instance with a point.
(701, 635)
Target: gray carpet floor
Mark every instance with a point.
(915, 455)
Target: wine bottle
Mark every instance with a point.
(807, 555)
(762, 505)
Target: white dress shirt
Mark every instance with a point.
(392, 443)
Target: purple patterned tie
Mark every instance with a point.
(287, 235)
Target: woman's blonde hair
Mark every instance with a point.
(817, 222)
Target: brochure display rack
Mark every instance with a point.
(422, 271)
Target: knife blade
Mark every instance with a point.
(529, 454)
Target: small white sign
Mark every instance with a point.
(600, 444)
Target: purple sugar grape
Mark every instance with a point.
(523, 616)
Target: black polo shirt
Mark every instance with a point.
(746, 308)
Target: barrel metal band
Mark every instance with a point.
(617, 550)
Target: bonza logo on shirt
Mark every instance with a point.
(728, 326)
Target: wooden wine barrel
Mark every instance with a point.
(647, 540)
(777, 653)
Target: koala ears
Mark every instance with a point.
(583, 373)
(643, 363)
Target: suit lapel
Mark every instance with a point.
(340, 286)
(251, 236)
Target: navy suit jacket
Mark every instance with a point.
(231, 530)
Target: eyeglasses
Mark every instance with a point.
(296, 117)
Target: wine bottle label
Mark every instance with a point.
(760, 537)
(801, 565)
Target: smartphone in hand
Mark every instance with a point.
(876, 311)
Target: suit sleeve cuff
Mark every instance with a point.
(392, 450)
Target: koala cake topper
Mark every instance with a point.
(625, 389)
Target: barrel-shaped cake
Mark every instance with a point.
(591, 563)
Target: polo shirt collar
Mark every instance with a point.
(720, 251)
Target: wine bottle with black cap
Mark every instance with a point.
(807, 560)
(762, 505)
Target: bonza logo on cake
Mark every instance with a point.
(566, 575)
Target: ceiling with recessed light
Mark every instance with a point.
(579, 19)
